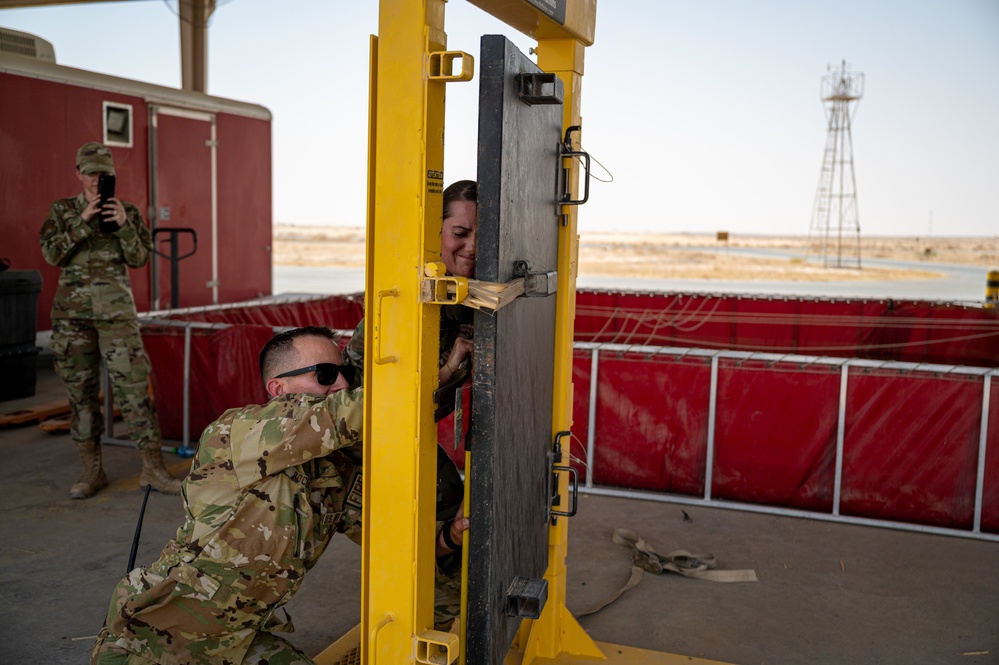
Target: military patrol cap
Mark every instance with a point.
(94, 158)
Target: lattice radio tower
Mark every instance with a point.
(835, 229)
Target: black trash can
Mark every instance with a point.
(18, 371)
(19, 291)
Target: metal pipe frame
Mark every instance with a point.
(709, 461)
(595, 349)
(591, 432)
(185, 449)
(845, 365)
(787, 512)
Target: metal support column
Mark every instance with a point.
(406, 160)
(557, 631)
(982, 444)
(591, 428)
(194, 15)
(709, 462)
(844, 378)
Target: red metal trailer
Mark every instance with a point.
(186, 159)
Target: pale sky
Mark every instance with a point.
(707, 112)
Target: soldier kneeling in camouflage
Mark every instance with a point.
(93, 316)
(269, 487)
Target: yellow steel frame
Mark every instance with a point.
(556, 631)
(405, 178)
(409, 70)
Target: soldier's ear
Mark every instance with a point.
(275, 387)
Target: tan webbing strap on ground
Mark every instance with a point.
(636, 577)
(697, 566)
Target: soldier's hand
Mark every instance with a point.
(460, 524)
(114, 211)
(460, 356)
(449, 539)
(91, 210)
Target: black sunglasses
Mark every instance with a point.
(326, 373)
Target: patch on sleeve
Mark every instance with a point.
(248, 450)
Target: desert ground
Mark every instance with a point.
(688, 255)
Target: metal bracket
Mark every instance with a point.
(536, 284)
(544, 88)
(376, 330)
(436, 647)
(554, 499)
(440, 66)
(439, 288)
(526, 597)
(566, 152)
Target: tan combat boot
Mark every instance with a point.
(155, 474)
(93, 478)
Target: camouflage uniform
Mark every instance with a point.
(456, 321)
(93, 315)
(268, 489)
(450, 487)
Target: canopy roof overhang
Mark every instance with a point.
(193, 18)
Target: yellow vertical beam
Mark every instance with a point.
(405, 171)
(557, 631)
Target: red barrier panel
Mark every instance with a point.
(340, 312)
(911, 438)
(775, 433)
(911, 447)
(651, 424)
(877, 329)
(224, 362)
(223, 370)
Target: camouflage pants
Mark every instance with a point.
(265, 648)
(78, 345)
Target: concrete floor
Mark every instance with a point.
(827, 593)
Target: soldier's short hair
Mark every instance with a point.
(278, 351)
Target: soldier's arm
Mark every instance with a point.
(61, 233)
(295, 433)
(136, 241)
(353, 354)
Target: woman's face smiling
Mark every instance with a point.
(458, 239)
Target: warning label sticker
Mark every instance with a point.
(435, 182)
(553, 9)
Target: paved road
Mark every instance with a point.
(962, 284)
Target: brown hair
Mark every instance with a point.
(462, 190)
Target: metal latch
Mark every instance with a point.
(554, 498)
(536, 284)
(436, 647)
(440, 66)
(543, 88)
(526, 597)
(439, 288)
(567, 152)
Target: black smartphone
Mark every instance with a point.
(105, 192)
